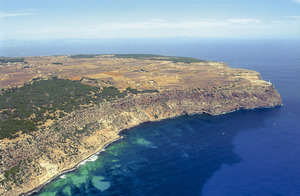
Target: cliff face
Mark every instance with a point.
(38, 157)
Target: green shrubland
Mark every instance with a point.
(24, 108)
(160, 58)
(11, 60)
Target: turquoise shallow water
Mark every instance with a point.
(242, 153)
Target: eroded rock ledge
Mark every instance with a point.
(45, 154)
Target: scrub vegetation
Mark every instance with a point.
(83, 56)
(11, 60)
(187, 60)
(24, 108)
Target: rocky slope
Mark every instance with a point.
(34, 159)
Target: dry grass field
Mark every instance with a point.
(140, 73)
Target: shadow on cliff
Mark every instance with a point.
(191, 148)
(185, 152)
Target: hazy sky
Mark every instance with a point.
(89, 19)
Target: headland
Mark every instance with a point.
(57, 111)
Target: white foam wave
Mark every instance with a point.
(90, 159)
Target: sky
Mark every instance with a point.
(101, 19)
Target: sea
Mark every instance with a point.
(246, 152)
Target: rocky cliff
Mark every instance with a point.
(33, 159)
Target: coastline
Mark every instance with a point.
(109, 119)
(37, 189)
(98, 151)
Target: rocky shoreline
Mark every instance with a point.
(57, 149)
(37, 189)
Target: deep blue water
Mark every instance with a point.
(242, 153)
